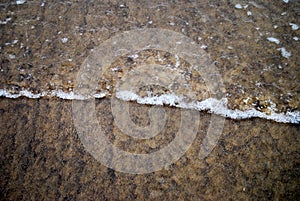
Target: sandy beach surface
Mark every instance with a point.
(252, 47)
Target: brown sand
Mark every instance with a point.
(41, 155)
(251, 66)
(42, 158)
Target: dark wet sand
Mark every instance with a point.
(42, 158)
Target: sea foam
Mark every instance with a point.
(211, 105)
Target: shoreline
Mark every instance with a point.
(210, 105)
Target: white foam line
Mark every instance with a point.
(55, 93)
(211, 105)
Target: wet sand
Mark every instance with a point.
(42, 158)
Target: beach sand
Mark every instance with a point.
(43, 45)
(43, 158)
